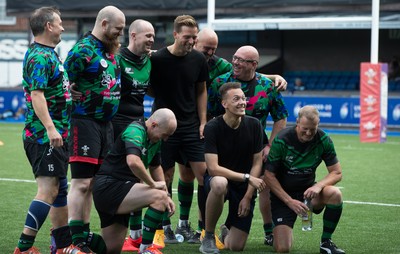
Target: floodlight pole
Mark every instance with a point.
(375, 32)
(210, 13)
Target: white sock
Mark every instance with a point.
(183, 223)
(135, 234)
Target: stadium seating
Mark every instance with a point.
(328, 80)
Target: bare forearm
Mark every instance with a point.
(202, 104)
(277, 127)
(138, 169)
(157, 173)
(276, 187)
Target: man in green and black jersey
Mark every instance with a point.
(295, 154)
(117, 186)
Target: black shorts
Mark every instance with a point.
(90, 140)
(234, 195)
(182, 147)
(46, 160)
(282, 214)
(108, 194)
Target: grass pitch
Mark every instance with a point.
(370, 222)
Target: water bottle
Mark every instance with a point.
(306, 219)
(179, 237)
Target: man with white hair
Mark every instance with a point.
(295, 155)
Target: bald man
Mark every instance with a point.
(135, 74)
(263, 100)
(117, 188)
(135, 79)
(92, 66)
(207, 43)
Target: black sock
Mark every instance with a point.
(95, 242)
(268, 228)
(201, 198)
(62, 237)
(25, 242)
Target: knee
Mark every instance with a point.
(334, 194)
(337, 195)
(47, 192)
(81, 185)
(219, 186)
(160, 200)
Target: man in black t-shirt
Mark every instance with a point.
(178, 82)
(233, 153)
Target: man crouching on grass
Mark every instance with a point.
(295, 154)
(117, 190)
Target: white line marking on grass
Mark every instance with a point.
(175, 191)
(370, 203)
(17, 180)
(362, 148)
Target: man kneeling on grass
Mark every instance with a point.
(117, 191)
(292, 161)
(233, 148)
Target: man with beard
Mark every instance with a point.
(92, 66)
(178, 80)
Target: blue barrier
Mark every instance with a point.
(333, 110)
(12, 105)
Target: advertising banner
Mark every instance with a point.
(373, 102)
(339, 111)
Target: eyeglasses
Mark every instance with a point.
(241, 60)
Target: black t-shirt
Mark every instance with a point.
(235, 147)
(173, 80)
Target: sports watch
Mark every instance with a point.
(246, 178)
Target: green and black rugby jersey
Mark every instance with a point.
(294, 163)
(133, 140)
(135, 80)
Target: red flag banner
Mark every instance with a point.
(373, 102)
